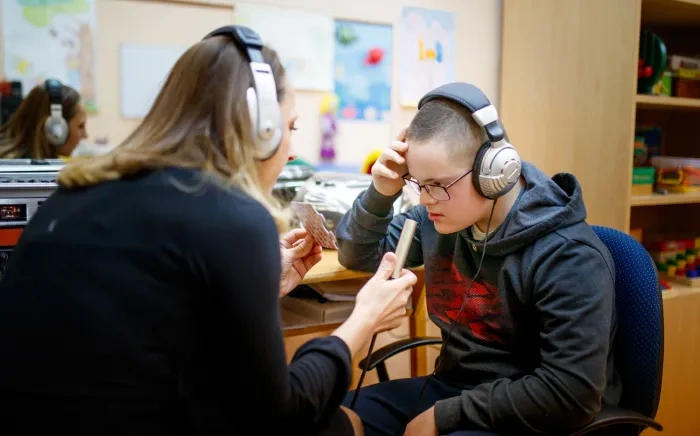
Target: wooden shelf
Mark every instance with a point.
(663, 199)
(671, 12)
(679, 290)
(668, 103)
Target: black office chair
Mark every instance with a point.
(639, 345)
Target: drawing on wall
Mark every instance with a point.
(426, 52)
(303, 40)
(363, 70)
(51, 39)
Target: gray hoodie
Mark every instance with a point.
(532, 348)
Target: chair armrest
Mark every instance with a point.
(397, 347)
(610, 416)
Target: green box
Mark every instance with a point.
(643, 176)
(663, 86)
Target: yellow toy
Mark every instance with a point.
(329, 103)
(370, 160)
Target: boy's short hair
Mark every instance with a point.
(444, 121)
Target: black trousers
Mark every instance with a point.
(337, 424)
(386, 408)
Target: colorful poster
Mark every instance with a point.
(426, 52)
(363, 70)
(303, 40)
(51, 39)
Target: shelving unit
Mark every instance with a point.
(576, 65)
(677, 22)
(667, 103)
(664, 199)
(569, 102)
(680, 13)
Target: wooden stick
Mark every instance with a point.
(409, 228)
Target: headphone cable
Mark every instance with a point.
(364, 372)
(455, 321)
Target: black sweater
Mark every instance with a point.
(149, 306)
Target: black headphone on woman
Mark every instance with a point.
(265, 114)
(56, 127)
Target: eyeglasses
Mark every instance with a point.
(438, 192)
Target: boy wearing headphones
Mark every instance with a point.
(519, 284)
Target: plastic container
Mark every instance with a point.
(643, 175)
(677, 174)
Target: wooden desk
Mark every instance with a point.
(330, 270)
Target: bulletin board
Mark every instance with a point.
(143, 69)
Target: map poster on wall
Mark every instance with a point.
(303, 40)
(363, 70)
(51, 39)
(426, 52)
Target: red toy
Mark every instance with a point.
(676, 260)
(644, 71)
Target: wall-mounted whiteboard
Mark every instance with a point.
(304, 41)
(143, 70)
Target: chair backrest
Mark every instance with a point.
(639, 344)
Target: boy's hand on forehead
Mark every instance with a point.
(390, 167)
(401, 137)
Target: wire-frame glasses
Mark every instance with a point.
(436, 191)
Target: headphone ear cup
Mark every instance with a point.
(252, 101)
(265, 149)
(476, 170)
(499, 170)
(56, 130)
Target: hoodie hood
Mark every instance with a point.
(543, 206)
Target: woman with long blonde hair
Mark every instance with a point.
(143, 297)
(26, 134)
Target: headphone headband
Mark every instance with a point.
(474, 100)
(262, 101)
(497, 165)
(55, 90)
(245, 39)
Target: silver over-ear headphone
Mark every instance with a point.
(261, 97)
(55, 127)
(497, 165)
